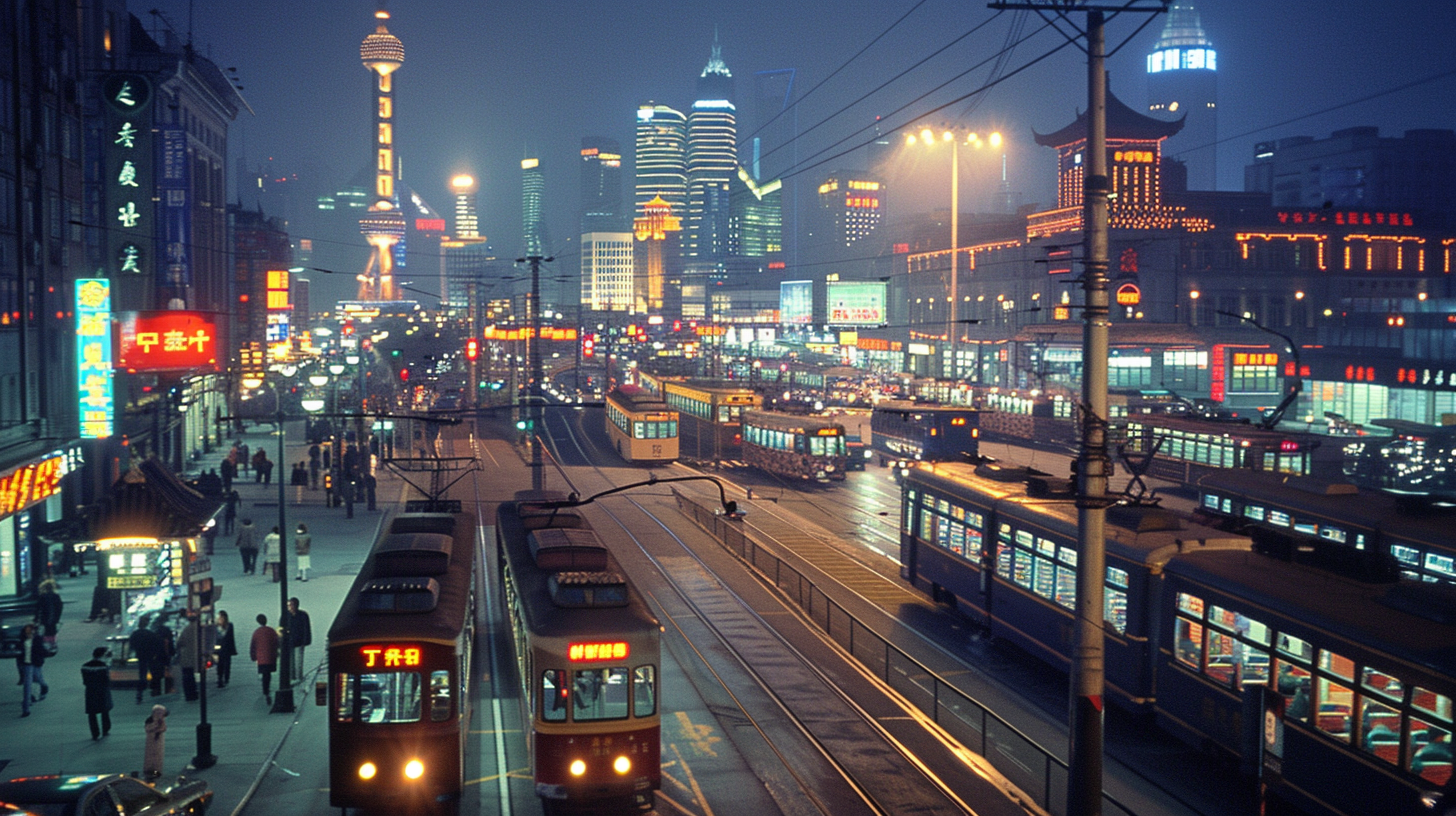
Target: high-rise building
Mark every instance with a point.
(755, 217)
(851, 205)
(1357, 168)
(467, 223)
(601, 185)
(606, 271)
(712, 160)
(533, 187)
(661, 158)
(1183, 82)
(383, 225)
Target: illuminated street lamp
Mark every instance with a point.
(928, 138)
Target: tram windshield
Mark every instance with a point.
(598, 693)
(390, 697)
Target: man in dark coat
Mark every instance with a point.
(32, 657)
(150, 652)
(48, 608)
(300, 634)
(247, 543)
(96, 677)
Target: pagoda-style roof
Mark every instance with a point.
(149, 501)
(1122, 123)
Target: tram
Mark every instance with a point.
(399, 667)
(1214, 639)
(1189, 448)
(904, 432)
(797, 447)
(641, 426)
(712, 415)
(588, 656)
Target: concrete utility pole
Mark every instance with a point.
(538, 475)
(1084, 780)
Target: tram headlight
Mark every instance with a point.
(622, 765)
(368, 770)
(577, 767)
(414, 769)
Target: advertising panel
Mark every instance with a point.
(93, 357)
(857, 303)
(176, 214)
(796, 303)
(127, 175)
(166, 341)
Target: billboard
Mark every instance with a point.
(796, 303)
(128, 164)
(856, 303)
(93, 357)
(166, 341)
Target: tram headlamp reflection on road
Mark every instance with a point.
(578, 767)
(367, 770)
(622, 765)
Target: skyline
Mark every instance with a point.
(459, 111)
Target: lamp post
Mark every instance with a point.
(927, 137)
(283, 701)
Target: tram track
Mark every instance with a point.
(879, 772)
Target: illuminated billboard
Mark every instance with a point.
(856, 303)
(796, 303)
(93, 357)
(167, 341)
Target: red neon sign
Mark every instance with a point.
(390, 656)
(27, 485)
(582, 652)
(166, 341)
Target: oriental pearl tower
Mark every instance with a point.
(383, 225)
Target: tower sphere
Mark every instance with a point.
(381, 51)
(463, 183)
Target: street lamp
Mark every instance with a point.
(974, 140)
(283, 702)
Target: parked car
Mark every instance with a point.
(83, 795)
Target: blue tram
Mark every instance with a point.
(904, 432)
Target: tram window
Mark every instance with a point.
(1429, 748)
(601, 694)
(1114, 602)
(1220, 665)
(644, 691)
(1254, 666)
(1254, 512)
(638, 430)
(1188, 635)
(1334, 534)
(1437, 705)
(1293, 684)
(1294, 647)
(1441, 564)
(1192, 604)
(1210, 501)
(555, 695)
(1381, 683)
(1003, 552)
(1067, 587)
(1045, 577)
(1409, 556)
(344, 686)
(378, 698)
(1333, 714)
(1279, 517)
(1380, 730)
(1306, 528)
(1341, 667)
(957, 538)
(439, 696)
(1022, 574)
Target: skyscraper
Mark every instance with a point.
(467, 223)
(606, 271)
(383, 225)
(601, 185)
(533, 186)
(712, 160)
(756, 217)
(662, 158)
(1183, 81)
(851, 205)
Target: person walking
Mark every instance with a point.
(48, 606)
(150, 652)
(30, 661)
(228, 470)
(156, 750)
(314, 464)
(302, 544)
(96, 677)
(227, 646)
(273, 555)
(243, 460)
(188, 642)
(230, 500)
(259, 457)
(263, 650)
(247, 544)
(300, 633)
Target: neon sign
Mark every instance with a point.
(579, 652)
(390, 656)
(93, 357)
(24, 486)
(167, 341)
(1129, 295)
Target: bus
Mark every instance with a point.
(641, 426)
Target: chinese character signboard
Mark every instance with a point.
(856, 304)
(127, 168)
(93, 356)
(175, 215)
(35, 482)
(167, 341)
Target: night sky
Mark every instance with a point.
(486, 83)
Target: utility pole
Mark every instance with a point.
(1085, 748)
(538, 475)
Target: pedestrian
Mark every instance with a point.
(300, 474)
(259, 457)
(302, 543)
(48, 608)
(263, 650)
(268, 471)
(156, 751)
(229, 471)
(96, 677)
(314, 459)
(30, 661)
(188, 643)
(300, 635)
(227, 646)
(243, 460)
(230, 511)
(247, 544)
(273, 555)
(209, 536)
(150, 652)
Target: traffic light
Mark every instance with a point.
(588, 345)
(404, 375)
(394, 352)
(472, 349)
(524, 424)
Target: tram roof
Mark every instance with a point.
(791, 423)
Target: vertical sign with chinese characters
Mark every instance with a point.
(176, 267)
(127, 176)
(93, 356)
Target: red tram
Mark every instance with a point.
(588, 654)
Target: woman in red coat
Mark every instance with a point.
(264, 651)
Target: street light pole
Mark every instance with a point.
(538, 474)
(283, 701)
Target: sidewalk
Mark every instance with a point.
(55, 737)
